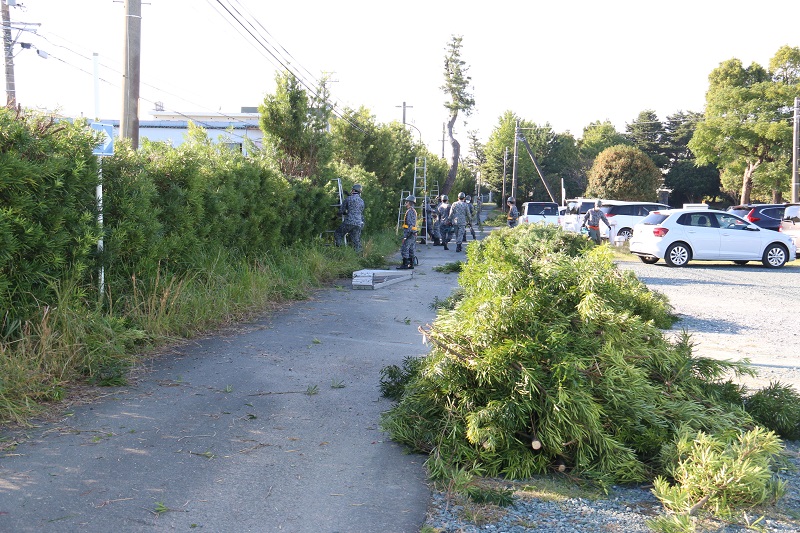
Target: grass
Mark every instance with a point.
(75, 341)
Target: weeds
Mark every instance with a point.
(76, 340)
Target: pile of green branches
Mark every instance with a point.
(552, 360)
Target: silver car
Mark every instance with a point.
(681, 235)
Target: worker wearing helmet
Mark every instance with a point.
(513, 212)
(445, 227)
(459, 218)
(352, 212)
(409, 245)
(592, 220)
(472, 214)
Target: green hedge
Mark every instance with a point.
(165, 209)
(48, 226)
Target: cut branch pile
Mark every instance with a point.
(554, 360)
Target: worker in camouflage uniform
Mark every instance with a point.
(459, 218)
(352, 209)
(430, 226)
(409, 246)
(445, 226)
(437, 223)
(472, 213)
(592, 220)
(513, 212)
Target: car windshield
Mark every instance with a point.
(655, 217)
(542, 209)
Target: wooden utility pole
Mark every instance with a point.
(796, 149)
(11, 95)
(129, 125)
(514, 166)
(505, 165)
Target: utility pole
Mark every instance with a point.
(129, 125)
(796, 149)
(404, 106)
(11, 95)
(505, 164)
(514, 167)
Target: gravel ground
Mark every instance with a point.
(731, 312)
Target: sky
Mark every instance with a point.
(565, 63)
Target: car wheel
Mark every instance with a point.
(774, 256)
(678, 254)
(741, 262)
(625, 232)
(648, 259)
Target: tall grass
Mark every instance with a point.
(77, 340)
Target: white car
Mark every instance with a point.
(625, 215)
(681, 235)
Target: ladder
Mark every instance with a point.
(421, 191)
(330, 232)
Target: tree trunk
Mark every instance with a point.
(747, 181)
(456, 148)
(777, 195)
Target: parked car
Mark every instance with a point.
(762, 215)
(681, 235)
(625, 215)
(545, 212)
(790, 224)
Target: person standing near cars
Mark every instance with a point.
(513, 212)
(409, 246)
(445, 227)
(592, 220)
(352, 209)
(459, 218)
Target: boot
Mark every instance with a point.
(445, 245)
(404, 266)
(458, 247)
(411, 262)
(436, 241)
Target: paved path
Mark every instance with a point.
(221, 434)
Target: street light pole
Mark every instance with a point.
(416, 128)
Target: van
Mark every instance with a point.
(543, 212)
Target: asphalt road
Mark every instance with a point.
(273, 427)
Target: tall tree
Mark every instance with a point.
(456, 87)
(748, 120)
(646, 133)
(689, 181)
(295, 126)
